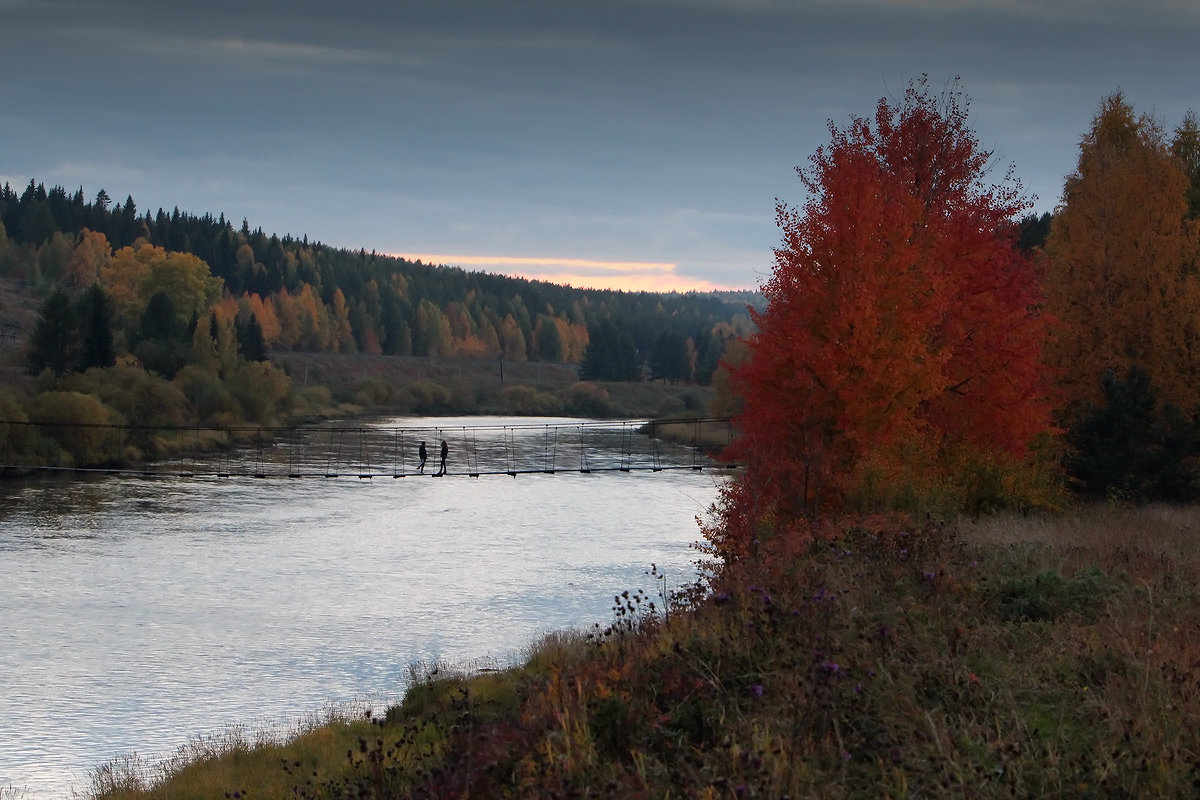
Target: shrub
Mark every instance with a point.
(77, 424)
(587, 399)
(210, 397)
(15, 437)
(141, 397)
(312, 401)
(528, 401)
(262, 390)
(424, 398)
(373, 392)
(1048, 595)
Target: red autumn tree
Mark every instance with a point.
(901, 324)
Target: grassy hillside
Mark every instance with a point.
(1012, 657)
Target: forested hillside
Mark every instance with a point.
(303, 295)
(120, 332)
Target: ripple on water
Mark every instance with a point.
(150, 612)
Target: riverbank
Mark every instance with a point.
(1036, 657)
(438, 386)
(189, 605)
(298, 389)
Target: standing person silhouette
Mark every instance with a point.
(445, 452)
(424, 454)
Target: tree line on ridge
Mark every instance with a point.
(303, 295)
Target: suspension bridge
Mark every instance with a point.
(367, 451)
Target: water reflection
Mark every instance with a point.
(139, 613)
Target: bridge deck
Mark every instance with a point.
(370, 451)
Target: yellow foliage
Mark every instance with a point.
(1120, 264)
(261, 389)
(76, 422)
(91, 254)
(135, 274)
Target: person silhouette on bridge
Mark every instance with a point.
(424, 455)
(445, 453)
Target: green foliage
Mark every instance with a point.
(1048, 595)
(425, 398)
(142, 399)
(250, 339)
(587, 399)
(312, 402)
(161, 341)
(611, 355)
(16, 439)
(1134, 447)
(670, 359)
(209, 396)
(160, 320)
(76, 424)
(549, 340)
(262, 390)
(139, 396)
(977, 484)
(1033, 231)
(52, 259)
(55, 336)
(374, 393)
(528, 401)
(96, 347)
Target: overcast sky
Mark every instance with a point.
(643, 142)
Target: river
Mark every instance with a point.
(139, 614)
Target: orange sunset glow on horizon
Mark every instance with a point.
(581, 273)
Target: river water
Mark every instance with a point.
(138, 614)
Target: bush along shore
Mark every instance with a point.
(1009, 657)
(84, 420)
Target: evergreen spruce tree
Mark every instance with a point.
(250, 340)
(55, 336)
(1134, 447)
(96, 347)
(670, 361)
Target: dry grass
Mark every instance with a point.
(1010, 657)
(1099, 532)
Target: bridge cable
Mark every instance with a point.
(584, 466)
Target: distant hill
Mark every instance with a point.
(306, 296)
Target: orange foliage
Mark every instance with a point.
(134, 274)
(91, 253)
(304, 321)
(471, 346)
(512, 340)
(371, 345)
(226, 310)
(1121, 264)
(575, 342)
(899, 312)
(343, 333)
(264, 312)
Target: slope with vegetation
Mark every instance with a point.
(1005, 658)
(178, 322)
(303, 295)
(906, 592)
